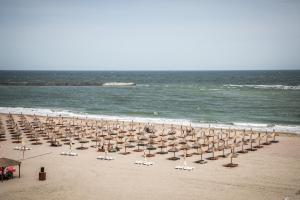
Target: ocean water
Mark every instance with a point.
(245, 99)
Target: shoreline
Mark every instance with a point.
(286, 129)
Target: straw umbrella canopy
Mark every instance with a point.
(141, 142)
(243, 142)
(110, 148)
(259, 140)
(131, 126)
(123, 128)
(102, 133)
(231, 164)
(17, 137)
(108, 138)
(196, 145)
(172, 137)
(96, 140)
(47, 136)
(101, 145)
(139, 129)
(185, 147)
(182, 141)
(267, 136)
(36, 139)
(251, 140)
(233, 146)
(163, 134)
(274, 137)
(2, 137)
(162, 146)
(222, 148)
(82, 141)
(174, 149)
(152, 135)
(172, 131)
(201, 152)
(150, 147)
(213, 149)
(127, 145)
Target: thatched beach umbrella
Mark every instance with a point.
(36, 139)
(243, 151)
(231, 164)
(141, 142)
(185, 148)
(82, 141)
(150, 147)
(274, 136)
(174, 150)
(259, 139)
(162, 146)
(196, 145)
(213, 149)
(267, 136)
(201, 152)
(251, 142)
(127, 145)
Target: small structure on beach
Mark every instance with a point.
(5, 162)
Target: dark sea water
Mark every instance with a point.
(258, 99)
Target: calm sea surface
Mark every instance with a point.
(234, 98)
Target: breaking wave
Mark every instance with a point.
(278, 87)
(118, 84)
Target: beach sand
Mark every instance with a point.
(272, 172)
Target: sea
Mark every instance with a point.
(259, 100)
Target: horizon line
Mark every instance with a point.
(148, 70)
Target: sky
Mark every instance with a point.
(149, 35)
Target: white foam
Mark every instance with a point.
(185, 122)
(278, 87)
(118, 84)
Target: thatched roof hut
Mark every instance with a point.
(5, 162)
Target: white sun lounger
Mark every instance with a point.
(105, 158)
(184, 168)
(69, 154)
(147, 163)
(21, 148)
(142, 162)
(138, 162)
(188, 168)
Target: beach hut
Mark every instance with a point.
(5, 162)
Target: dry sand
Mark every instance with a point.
(272, 172)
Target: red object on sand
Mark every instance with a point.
(11, 169)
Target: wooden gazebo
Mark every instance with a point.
(5, 162)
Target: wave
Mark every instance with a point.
(235, 125)
(108, 84)
(117, 84)
(278, 87)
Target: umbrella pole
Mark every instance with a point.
(2, 177)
